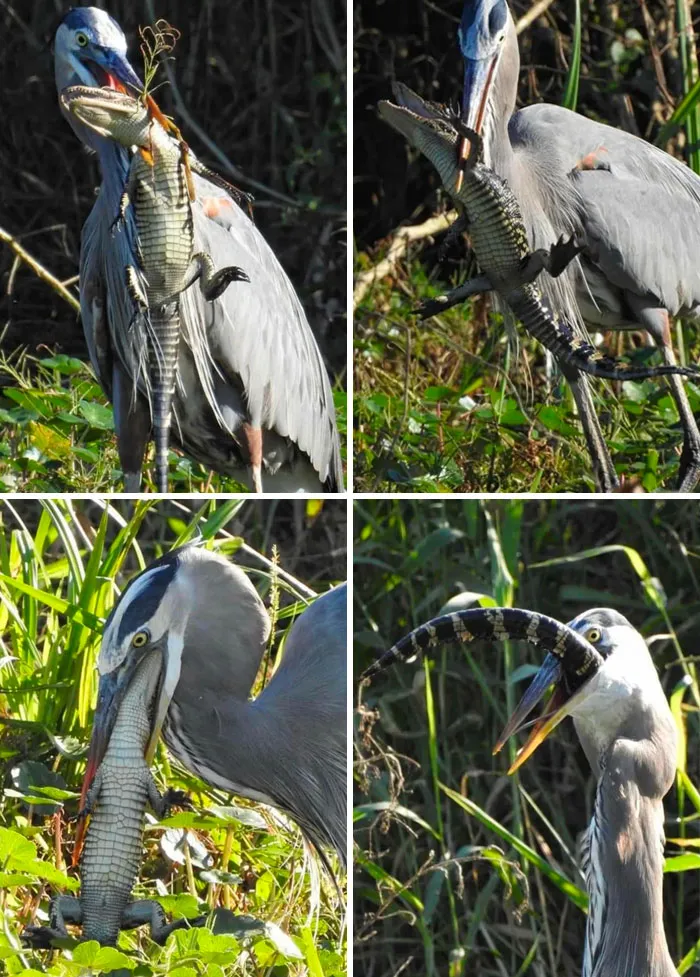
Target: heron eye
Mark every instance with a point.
(593, 635)
(81, 39)
(140, 639)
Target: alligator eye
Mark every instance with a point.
(82, 40)
(593, 635)
(140, 639)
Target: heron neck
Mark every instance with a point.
(284, 755)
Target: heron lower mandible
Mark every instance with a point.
(204, 619)
(627, 731)
(634, 209)
(251, 379)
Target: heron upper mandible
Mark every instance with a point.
(204, 618)
(627, 731)
(634, 209)
(250, 375)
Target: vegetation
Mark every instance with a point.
(59, 434)
(450, 404)
(60, 565)
(263, 85)
(459, 868)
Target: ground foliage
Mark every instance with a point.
(486, 909)
(445, 405)
(60, 564)
(265, 81)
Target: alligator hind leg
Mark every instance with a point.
(212, 283)
(62, 910)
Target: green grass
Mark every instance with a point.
(445, 406)
(59, 434)
(61, 562)
(461, 869)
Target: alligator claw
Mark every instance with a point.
(562, 254)
(177, 798)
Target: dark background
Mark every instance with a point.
(264, 80)
(416, 42)
(409, 558)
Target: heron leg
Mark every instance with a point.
(132, 423)
(252, 435)
(603, 468)
(475, 286)
(212, 283)
(657, 322)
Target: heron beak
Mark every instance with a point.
(560, 704)
(478, 78)
(118, 73)
(109, 698)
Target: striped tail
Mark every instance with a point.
(165, 340)
(560, 340)
(495, 624)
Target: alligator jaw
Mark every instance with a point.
(428, 129)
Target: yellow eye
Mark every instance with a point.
(140, 639)
(593, 635)
(81, 39)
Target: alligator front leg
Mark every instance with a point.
(212, 283)
(475, 286)
(62, 910)
(554, 260)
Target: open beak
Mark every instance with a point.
(478, 78)
(559, 705)
(114, 71)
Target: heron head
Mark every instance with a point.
(90, 49)
(624, 680)
(485, 29)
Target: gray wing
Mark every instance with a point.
(628, 216)
(311, 683)
(260, 332)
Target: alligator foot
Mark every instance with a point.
(41, 937)
(475, 286)
(177, 798)
(561, 255)
(212, 283)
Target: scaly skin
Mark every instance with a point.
(499, 238)
(158, 192)
(113, 848)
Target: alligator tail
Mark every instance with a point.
(165, 344)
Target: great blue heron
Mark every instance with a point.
(628, 734)
(622, 198)
(606, 680)
(287, 747)
(250, 374)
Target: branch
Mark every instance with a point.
(397, 249)
(39, 270)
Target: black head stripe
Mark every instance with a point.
(143, 607)
(578, 656)
(601, 617)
